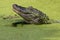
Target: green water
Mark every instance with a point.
(31, 31)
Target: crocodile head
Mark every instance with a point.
(25, 13)
(30, 14)
(22, 11)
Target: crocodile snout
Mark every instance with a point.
(18, 8)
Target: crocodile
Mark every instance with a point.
(31, 15)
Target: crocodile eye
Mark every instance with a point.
(27, 13)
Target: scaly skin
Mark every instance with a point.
(31, 15)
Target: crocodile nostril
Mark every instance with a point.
(14, 5)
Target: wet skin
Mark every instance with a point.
(30, 15)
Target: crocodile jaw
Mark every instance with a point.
(18, 9)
